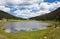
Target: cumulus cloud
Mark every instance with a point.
(43, 8)
(26, 13)
(19, 1)
(29, 6)
(3, 8)
(2, 1)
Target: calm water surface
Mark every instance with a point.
(24, 26)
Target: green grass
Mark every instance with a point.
(26, 35)
(50, 22)
(49, 33)
(13, 20)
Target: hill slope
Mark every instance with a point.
(7, 15)
(50, 16)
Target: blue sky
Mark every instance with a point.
(51, 1)
(28, 8)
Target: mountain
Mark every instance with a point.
(7, 15)
(49, 16)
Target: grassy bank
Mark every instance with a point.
(40, 34)
(14, 20)
(50, 22)
(49, 33)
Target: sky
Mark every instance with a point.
(29, 8)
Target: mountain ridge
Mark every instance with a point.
(7, 15)
(49, 16)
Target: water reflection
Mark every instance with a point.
(24, 26)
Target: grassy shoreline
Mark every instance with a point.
(49, 33)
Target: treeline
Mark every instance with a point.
(7, 15)
(55, 15)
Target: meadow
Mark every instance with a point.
(52, 32)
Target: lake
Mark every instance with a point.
(24, 26)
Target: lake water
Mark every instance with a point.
(24, 26)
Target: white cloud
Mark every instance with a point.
(58, 4)
(43, 8)
(23, 1)
(6, 9)
(26, 13)
(2, 1)
(3, 8)
(15, 1)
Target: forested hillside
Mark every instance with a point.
(7, 15)
(50, 16)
